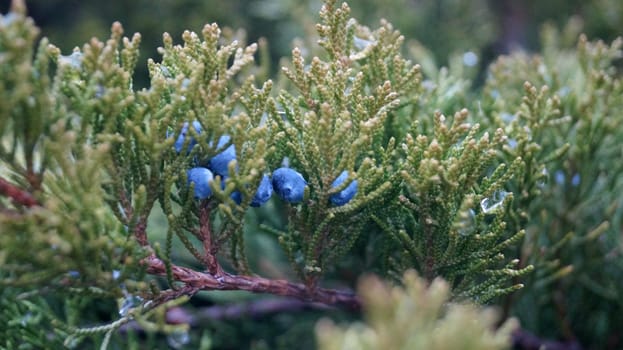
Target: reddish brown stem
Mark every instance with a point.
(140, 232)
(254, 284)
(17, 194)
(205, 235)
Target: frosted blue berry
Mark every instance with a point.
(263, 193)
(345, 195)
(202, 178)
(218, 164)
(236, 196)
(289, 184)
(179, 142)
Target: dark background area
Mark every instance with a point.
(486, 27)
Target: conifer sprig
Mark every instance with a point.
(444, 232)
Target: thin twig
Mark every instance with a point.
(254, 284)
(18, 195)
(173, 294)
(140, 231)
(206, 237)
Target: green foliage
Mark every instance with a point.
(572, 129)
(202, 81)
(492, 188)
(441, 232)
(335, 124)
(416, 316)
(72, 229)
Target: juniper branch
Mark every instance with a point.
(254, 284)
(205, 235)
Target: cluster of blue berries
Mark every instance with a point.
(286, 182)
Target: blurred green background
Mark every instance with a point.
(486, 27)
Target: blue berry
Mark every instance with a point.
(345, 195)
(289, 184)
(202, 178)
(179, 142)
(263, 193)
(218, 164)
(236, 196)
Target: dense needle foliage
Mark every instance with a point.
(499, 191)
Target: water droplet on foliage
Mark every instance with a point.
(528, 132)
(361, 44)
(496, 200)
(543, 179)
(470, 59)
(467, 222)
(178, 339)
(507, 117)
(185, 83)
(99, 91)
(116, 274)
(165, 71)
(129, 302)
(7, 19)
(25, 320)
(429, 85)
(564, 91)
(74, 60)
(298, 257)
(263, 119)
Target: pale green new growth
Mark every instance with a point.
(415, 316)
(46, 149)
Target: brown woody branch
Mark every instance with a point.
(206, 237)
(17, 194)
(225, 281)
